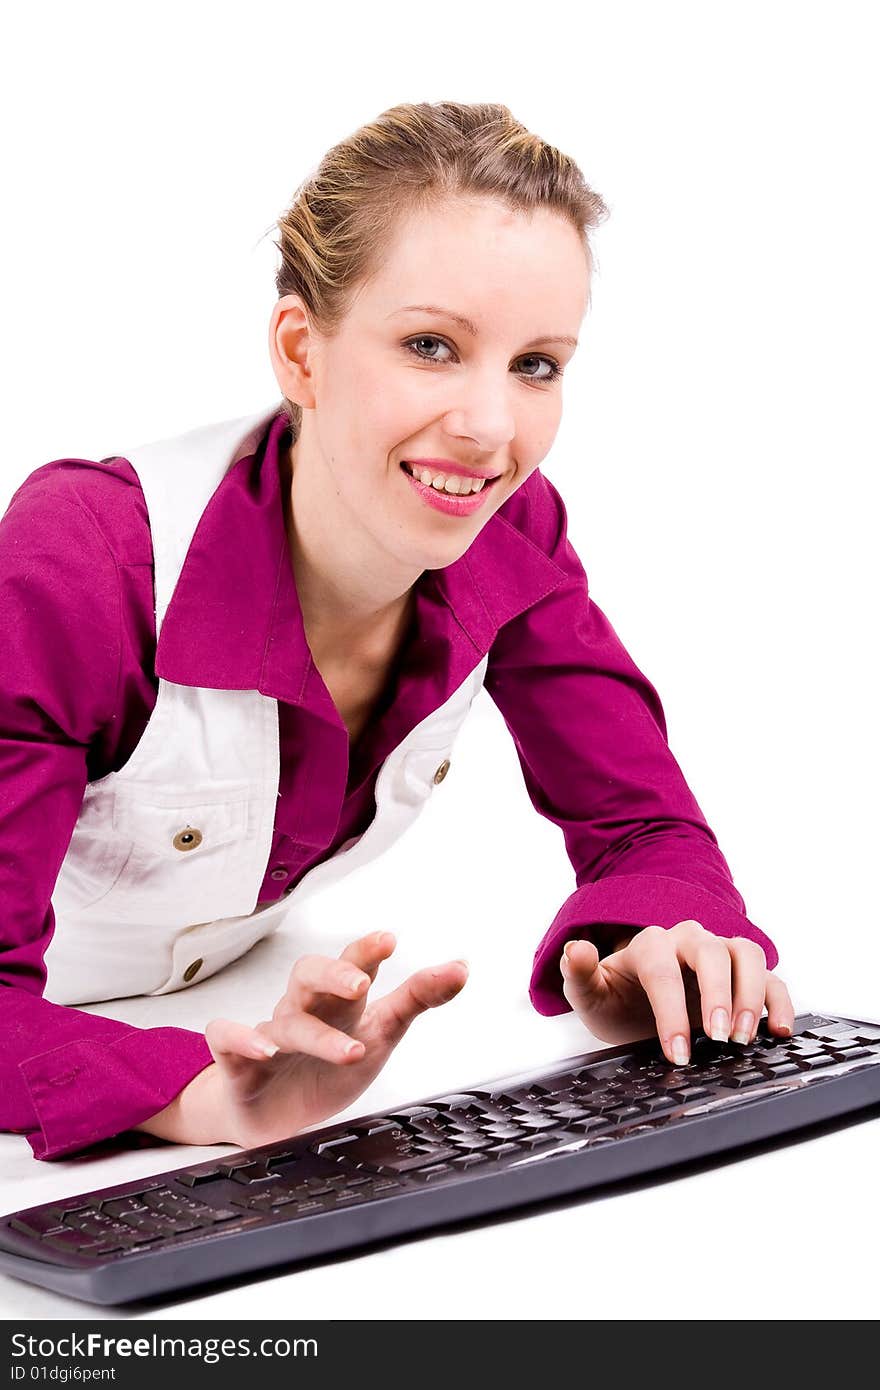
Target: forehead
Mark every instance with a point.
(480, 257)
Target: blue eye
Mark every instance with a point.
(412, 345)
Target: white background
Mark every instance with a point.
(718, 458)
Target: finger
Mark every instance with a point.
(303, 1032)
(234, 1045)
(314, 975)
(749, 987)
(426, 989)
(780, 1010)
(655, 956)
(709, 958)
(368, 952)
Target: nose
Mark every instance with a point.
(483, 413)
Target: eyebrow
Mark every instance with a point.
(470, 327)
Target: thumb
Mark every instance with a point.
(584, 978)
(426, 989)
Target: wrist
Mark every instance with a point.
(194, 1116)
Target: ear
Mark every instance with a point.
(292, 345)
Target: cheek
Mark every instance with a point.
(393, 415)
(539, 432)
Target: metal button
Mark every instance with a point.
(442, 770)
(192, 970)
(188, 838)
(279, 872)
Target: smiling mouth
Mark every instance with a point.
(487, 482)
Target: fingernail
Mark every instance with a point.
(268, 1049)
(569, 945)
(353, 981)
(680, 1051)
(744, 1025)
(783, 1027)
(352, 1048)
(719, 1027)
(465, 963)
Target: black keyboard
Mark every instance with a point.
(589, 1120)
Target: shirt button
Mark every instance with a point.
(188, 838)
(192, 970)
(442, 770)
(280, 872)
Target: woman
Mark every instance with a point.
(238, 658)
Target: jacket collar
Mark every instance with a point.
(234, 620)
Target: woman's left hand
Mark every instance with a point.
(681, 977)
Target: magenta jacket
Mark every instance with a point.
(79, 681)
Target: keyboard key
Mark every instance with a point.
(625, 1112)
(687, 1093)
(539, 1141)
(206, 1172)
(538, 1122)
(37, 1223)
(121, 1205)
(591, 1125)
(285, 1155)
(431, 1129)
(568, 1112)
(666, 1102)
(245, 1172)
(779, 1069)
(68, 1239)
(443, 1170)
(472, 1141)
(745, 1078)
(333, 1148)
(501, 1150)
(504, 1131)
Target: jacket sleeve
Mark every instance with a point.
(591, 738)
(68, 1079)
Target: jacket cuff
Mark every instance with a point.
(631, 900)
(86, 1091)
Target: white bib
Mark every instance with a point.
(159, 886)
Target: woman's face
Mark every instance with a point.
(397, 383)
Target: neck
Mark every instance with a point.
(351, 592)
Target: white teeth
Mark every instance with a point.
(455, 484)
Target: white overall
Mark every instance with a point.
(159, 886)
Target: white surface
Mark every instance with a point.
(444, 899)
(718, 456)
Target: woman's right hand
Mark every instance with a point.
(330, 1042)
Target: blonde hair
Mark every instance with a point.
(411, 157)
